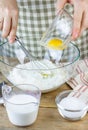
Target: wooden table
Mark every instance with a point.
(48, 116)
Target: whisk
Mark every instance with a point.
(36, 63)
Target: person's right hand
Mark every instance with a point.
(8, 19)
(80, 18)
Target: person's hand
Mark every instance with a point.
(8, 19)
(80, 15)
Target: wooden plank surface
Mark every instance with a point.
(48, 119)
(48, 116)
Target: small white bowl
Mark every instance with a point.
(70, 107)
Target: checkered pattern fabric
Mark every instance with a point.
(34, 18)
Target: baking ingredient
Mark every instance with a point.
(22, 109)
(56, 44)
(72, 108)
(27, 74)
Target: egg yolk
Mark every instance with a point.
(56, 44)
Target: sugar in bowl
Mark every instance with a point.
(70, 107)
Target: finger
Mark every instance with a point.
(84, 22)
(12, 34)
(78, 13)
(60, 4)
(6, 26)
(1, 18)
(1, 23)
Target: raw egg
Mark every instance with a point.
(56, 44)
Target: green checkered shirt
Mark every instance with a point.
(34, 18)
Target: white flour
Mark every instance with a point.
(24, 76)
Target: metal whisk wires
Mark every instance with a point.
(35, 62)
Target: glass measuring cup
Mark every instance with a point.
(59, 33)
(22, 105)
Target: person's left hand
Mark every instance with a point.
(80, 15)
(9, 19)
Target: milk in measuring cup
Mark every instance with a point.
(22, 109)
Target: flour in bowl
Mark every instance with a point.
(45, 80)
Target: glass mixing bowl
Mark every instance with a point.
(48, 70)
